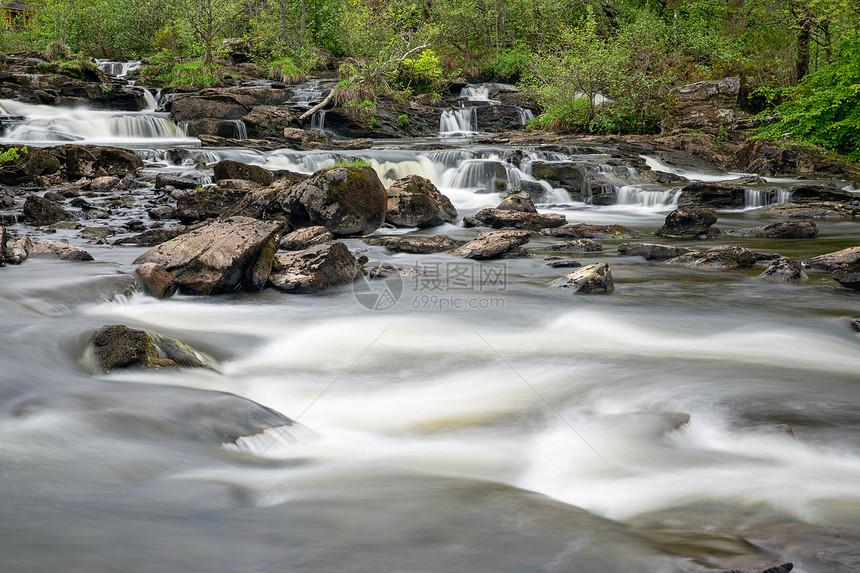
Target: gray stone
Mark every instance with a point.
(589, 279)
(315, 269)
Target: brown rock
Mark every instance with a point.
(17, 251)
(783, 270)
(707, 103)
(495, 244)
(156, 281)
(415, 202)
(228, 169)
(207, 203)
(724, 258)
(832, 261)
(791, 229)
(848, 275)
(163, 180)
(517, 203)
(62, 251)
(586, 231)
(687, 223)
(307, 237)
(653, 251)
(39, 211)
(589, 279)
(118, 346)
(104, 184)
(315, 268)
(507, 219)
(579, 245)
(415, 245)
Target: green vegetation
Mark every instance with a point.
(12, 154)
(353, 163)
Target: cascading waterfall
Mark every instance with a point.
(639, 196)
(149, 100)
(241, 129)
(118, 69)
(479, 92)
(458, 122)
(307, 94)
(526, 115)
(318, 121)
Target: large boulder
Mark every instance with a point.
(713, 196)
(570, 176)
(415, 245)
(315, 268)
(708, 103)
(118, 346)
(653, 251)
(589, 279)
(686, 223)
(229, 169)
(345, 200)
(848, 275)
(40, 211)
(504, 243)
(508, 219)
(783, 270)
(227, 254)
(588, 231)
(791, 229)
(722, 258)
(32, 162)
(303, 238)
(517, 203)
(415, 202)
(832, 261)
(818, 193)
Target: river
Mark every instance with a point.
(481, 421)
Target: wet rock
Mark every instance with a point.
(504, 218)
(687, 223)
(570, 176)
(31, 164)
(653, 251)
(517, 203)
(104, 184)
(96, 161)
(589, 279)
(707, 103)
(227, 254)
(18, 250)
(791, 229)
(62, 251)
(315, 269)
(495, 245)
(307, 237)
(223, 107)
(39, 211)
(118, 346)
(415, 202)
(3, 240)
(268, 120)
(156, 281)
(207, 203)
(498, 118)
(783, 270)
(228, 169)
(162, 181)
(345, 200)
(579, 245)
(586, 231)
(415, 245)
(821, 210)
(162, 212)
(154, 236)
(818, 193)
(562, 262)
(767, 157)
(723, 258)
(388, 271)
(305, 139)
(100, 232)
(832, 261)
(716, 196)
(848, 275)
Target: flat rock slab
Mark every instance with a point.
(62, 251)
(653, 251)
(590, 279)
(227, 254)
(832, 261)
(315, 269)
(722, 258)
(494, 245)
(415, 245)
(508, 219)
(821, 210)
(584, 230)
(791, 229)
(579, 246)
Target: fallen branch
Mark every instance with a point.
(318, 106)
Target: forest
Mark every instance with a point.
(603, 66)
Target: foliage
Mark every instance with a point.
(353, 163)
(403, 120)
(12, 154)
(168, 72)
(422, 74)
(825, 108)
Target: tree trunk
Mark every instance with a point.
(803, 21)
(304, 22)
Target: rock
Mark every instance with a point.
(589, 279)
(100, 232)
(156, 281)
(517, 203)
(688, 223)
(268, 121)
(162, 212)
(31, 164)
(415, 245)
(572, 177)
(304, 139)
(767, 157)
(415, 202)
(162, 180)
(345, 200)
(783, 270)
(62, 251)
(307, 237)
(104, 184)
(315, 268)
(388, 271)
(224, 255)
(812, 211)
(39, 211)
(257, 203)
(3, 240)
(207, 203)
(96, 161)
(716, 196)
(228, 169)
(118, 346)
(498, 118)
(505, 218)
(832, 261)
(653, 251)
(584, 230)
(791, 229)
(848, 275)
(18, 250)
(723, 258)
(818, 193)
(579, 245)
(494, 245)
(561, 263)
(154, 236)
(223, 107)
(707, 103)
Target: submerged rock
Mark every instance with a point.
(415, 245)
(315, 269)
(508, 219)
(345, 200)
(495, 244)
(415, 202)
(791, 229)
(783, 270)
(224, 255)
(653, 251)
(724, 258)
(62, 251)
(687, 223)
(307, 237)
(589, 279)
(118, 346)
(587, 231)
(832, 261)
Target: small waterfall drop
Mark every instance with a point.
(639, 196)
(458, 122)
(526, 115)
(118, 69)
(318, 121)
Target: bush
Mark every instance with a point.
(422, 74)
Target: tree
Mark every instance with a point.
(209, 19)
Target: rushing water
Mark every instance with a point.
(483, 422)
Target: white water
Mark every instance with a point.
(650, 198)
(118, 69)
(318, 121)
(458, 122)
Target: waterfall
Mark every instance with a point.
(458, 122)
(754, 198)
(307, 94)
(149, 100)
(479, 92)
(318, 121)
(636, 195)
(118, 69)
(241, 130)
(526, 115)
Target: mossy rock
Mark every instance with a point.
(118, 346)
